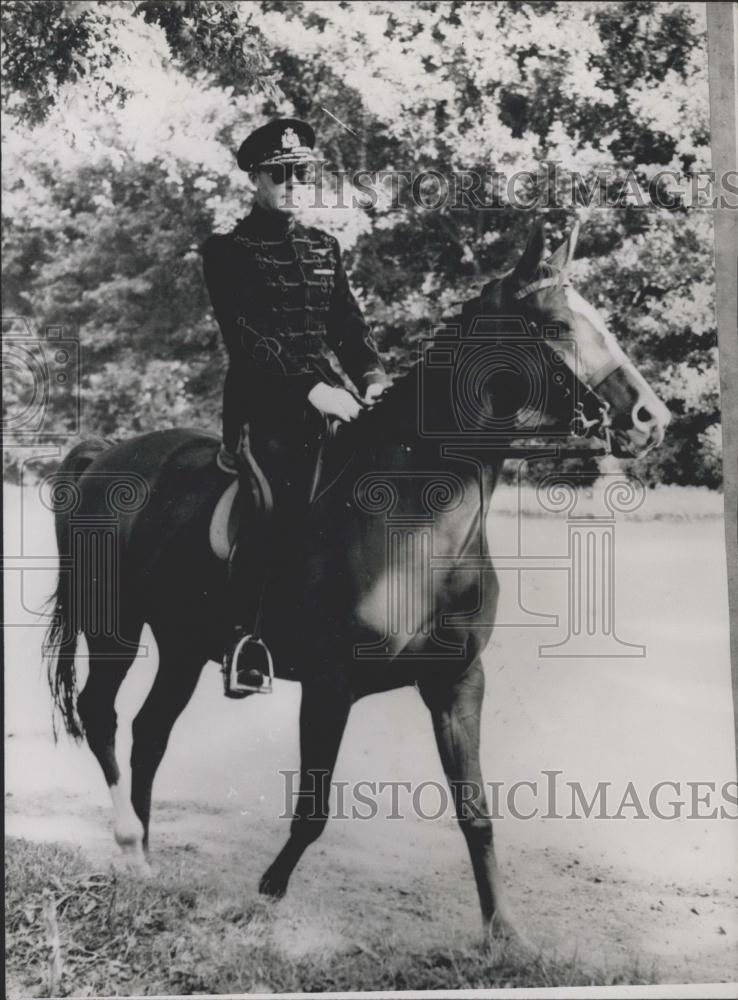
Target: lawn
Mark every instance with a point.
(176, 934)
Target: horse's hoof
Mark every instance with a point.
(143, 870)
(502, 938)
(135, 864)
(272, 887)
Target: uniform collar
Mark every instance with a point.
(260, 222)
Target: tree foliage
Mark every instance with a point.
(51, 45)
(137, 108)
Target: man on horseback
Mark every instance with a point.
(284, 306)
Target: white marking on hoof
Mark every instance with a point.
(140, 867)
(128, 831)
(133, 864)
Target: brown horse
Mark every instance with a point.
(417, 476)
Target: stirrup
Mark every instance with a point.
(257, 649)
(226, 461)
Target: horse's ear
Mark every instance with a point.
(563, 256)
(533, 253)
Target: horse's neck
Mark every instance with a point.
(402, 452)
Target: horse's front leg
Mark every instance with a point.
(323, 714)
(456, 709)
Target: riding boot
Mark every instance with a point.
(268, 550)
(247, 665)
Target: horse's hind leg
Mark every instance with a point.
(176, 679)
(456, 710)
(109, 663)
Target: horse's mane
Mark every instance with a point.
(393, 413)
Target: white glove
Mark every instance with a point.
(374, 390)
(334, 401)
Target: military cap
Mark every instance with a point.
(282, 141)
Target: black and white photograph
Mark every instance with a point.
(370, 424)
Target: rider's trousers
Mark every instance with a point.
(282, 455)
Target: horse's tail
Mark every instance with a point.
(61, 636)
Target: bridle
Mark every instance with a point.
(582, 426)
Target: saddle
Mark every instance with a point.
(247, 666)
(335, 455)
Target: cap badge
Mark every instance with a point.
(290, 139)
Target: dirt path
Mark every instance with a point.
(416, 889)
(608, 890)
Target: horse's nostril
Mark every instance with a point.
(642, 415)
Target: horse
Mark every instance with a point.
(417, 471)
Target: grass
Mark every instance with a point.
(178, 934)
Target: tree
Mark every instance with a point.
(53, 45)
(102, 232)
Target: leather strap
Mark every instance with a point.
(604, 371)
(535, 286)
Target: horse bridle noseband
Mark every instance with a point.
(580, 425)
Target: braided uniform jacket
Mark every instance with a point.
(283, 303)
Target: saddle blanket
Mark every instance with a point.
(224, 522)
(332, 461)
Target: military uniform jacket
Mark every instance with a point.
(283, 303)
